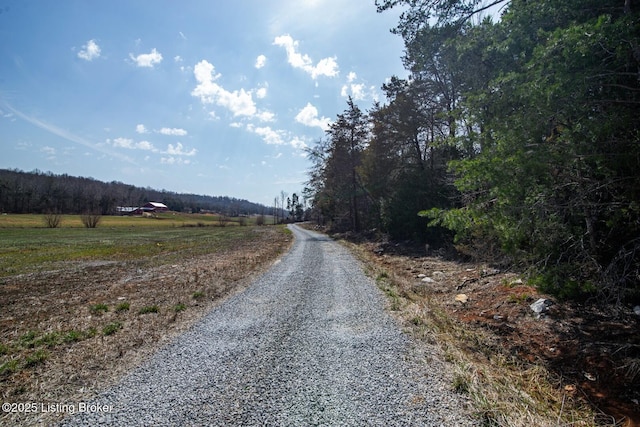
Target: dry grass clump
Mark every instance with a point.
(504, 390)
(67, 334)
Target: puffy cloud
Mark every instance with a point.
(325, 67)
(239, 102)
(145, 145)
(298, 143)
(173, 131)
(147, 59)
(141, 129)
(261, 60)
(123, 142)
(174, 161)
(270, 136)
(178, 150)
(89, 51)
(308, 116)
(131, 144)
(358, 91)
(261, 93)
(276, 137)
(266, 116)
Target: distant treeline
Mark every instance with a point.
(42, 192)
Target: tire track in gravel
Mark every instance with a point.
(308, 343)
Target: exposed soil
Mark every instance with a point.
(594, 351)
(69, 332)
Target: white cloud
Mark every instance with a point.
(261, 60)
(147, 59)
(266, 116)
(141, 129)
(270, 136)
(89, 51)
(276, 137)
(123, 143)
(261, 93)
(177, 59)
(145, 145)
(173, 131)
(178, 150)
(239, 102)
(298, 143)
(308, 116)
(358, 91)
(325, 67)
(174, 161)
(131, 144)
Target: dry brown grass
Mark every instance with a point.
(506, 389)
(59, 344)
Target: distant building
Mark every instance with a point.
(151, 207)
(155, 207)
(126, 210)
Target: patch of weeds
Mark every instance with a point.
(49, 340)
(111, 328)
(460, 384)
(92, 332)
(149, 309)
(179, 307)
(4, 349)
(417, 320)
(519, 299)
(99, 308)
(72, 336)
(36, 358)
(123, 306)
(28, 340)
(9, 367)
(197, 295)
(393, 296)
(391, 293)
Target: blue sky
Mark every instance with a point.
(205, 97)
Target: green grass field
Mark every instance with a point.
(26, 245)
(168, 219)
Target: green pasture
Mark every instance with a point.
(27, 246)
(169, 219)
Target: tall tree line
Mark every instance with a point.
(44, 192)
(519, 136)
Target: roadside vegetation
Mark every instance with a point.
(575, 366)
(80, 306)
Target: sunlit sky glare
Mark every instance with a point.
(212, 97)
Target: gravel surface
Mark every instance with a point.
(309, 343)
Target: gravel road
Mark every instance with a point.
(309, 343)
